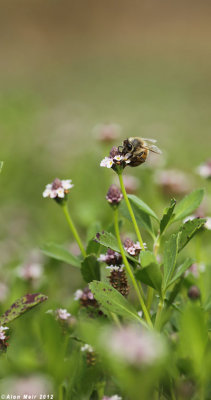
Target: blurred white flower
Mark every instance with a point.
(30, 271)
(2, 332)
(87, 347)
(140, 314)
(78, 294)
(134, 345)
(114, 397)
(107, 132)
(173, 181)
(207, 224)
(204, 170)
(62, 314)
(58, 188)
(193, 270)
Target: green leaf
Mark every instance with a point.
(170, 257)
(146, 258)
(188, 230)
(108, 240)
(188, 204)
(167, 216)
(150, 275)
(142, 206)
(181, 270)
(93, 229)
(112, 301)
(21, 306)
(90, 269)
(143, 219)
(60, 253)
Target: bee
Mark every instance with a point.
(136, 150)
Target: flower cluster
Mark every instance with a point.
(90, 354)
(30, 271)
(111, 258)
(62, 314)
(117, 277)
(173, 182)
(58, 188)
(115, 160)
(132, 248)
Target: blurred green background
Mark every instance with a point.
(65, 67)
(68, 65)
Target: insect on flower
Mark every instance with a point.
(136, 150)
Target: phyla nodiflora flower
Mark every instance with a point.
(133, 152)
(58, 188)
(114, 195)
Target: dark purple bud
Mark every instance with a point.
(194, 293)
(114, 195)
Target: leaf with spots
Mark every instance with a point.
(112, 301)
(22, 305)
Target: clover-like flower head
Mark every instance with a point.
(58, 189)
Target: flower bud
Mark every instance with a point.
(194, 293)
(114, 195)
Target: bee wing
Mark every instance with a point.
(153, 148)
(150, 140)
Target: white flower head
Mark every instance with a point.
(78, 294)
(114, 397)
(58, 188)
(86, 347)
(204, 170)
(107, 162)
(30, 271)
(2, 332)
(62, 314)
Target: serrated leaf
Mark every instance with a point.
(142, 206)
(150, 275)
(22, 305)
(188, 230)
(170, 257)
(181, 270)
(58, 252)
(188, 204)
(108, 240)
(90, 268)
(167, 216)
(143, 219)
(112, 301)
(147, 258)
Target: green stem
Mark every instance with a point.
(131, 211)
(128, 268)
(150, 291)
(158, 315)
(73, 228)
(60, 392)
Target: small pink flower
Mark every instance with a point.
(58, 188)
(107, 132)
(63, 314)
(173, 181)
(2, 332)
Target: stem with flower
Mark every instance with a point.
(127, 266)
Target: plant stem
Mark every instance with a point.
(131, 211)
(150, 291)
(73, 228)
(61, 392)
(128, 268)
(158, 315)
